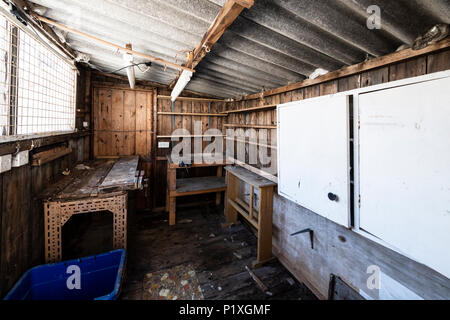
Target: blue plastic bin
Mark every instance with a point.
(101, 279)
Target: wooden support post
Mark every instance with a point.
(260, 218)
(171, 187)
(265, 210)
(232, 193)
(252, 195)
(219, 194)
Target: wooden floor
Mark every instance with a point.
(218, 256)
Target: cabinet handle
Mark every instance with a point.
(333, 197)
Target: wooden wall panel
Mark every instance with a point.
(117, 123)
(21, 217)
(141, 123)
(129, 122)
(123, 121)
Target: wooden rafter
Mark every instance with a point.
(110, 44)
(229, 12)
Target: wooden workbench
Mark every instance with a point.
(260, 217)
(192, 186)
(95, 186)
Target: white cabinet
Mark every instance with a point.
(313, 155)
(404, 169)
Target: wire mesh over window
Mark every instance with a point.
(37, 87)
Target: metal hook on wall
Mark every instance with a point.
(311, 235)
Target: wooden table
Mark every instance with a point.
(98, 186)
(192, 186)
(260, 217)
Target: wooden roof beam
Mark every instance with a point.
(118, 47)
(229, 12)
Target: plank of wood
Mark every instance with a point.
(117, 122)
(104, 139)
(265, 107)
(129, 122)
(192, 99)
(207, 161)
(258, 281)
(42, 158)
(189, 136)
(192, 114)
(149, 120)
(249, 177)
(122, 174)
(141, 124)
(84, 183)
(202, 185)
(251, 126)
(96, 119)
(236, 206)
(357, 68)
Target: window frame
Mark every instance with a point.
(13, 100)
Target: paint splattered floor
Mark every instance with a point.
(196, 259)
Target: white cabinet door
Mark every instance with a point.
(404, 169)
(313, 155)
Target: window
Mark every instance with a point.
(37, 86)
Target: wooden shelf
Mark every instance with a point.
(192, 99)
(244, 212)
(203, 185)
(252, 126)
(192, 114)
(266, 107)
(42, 158)
(190, 136)
(207, 161)
(192, 186)
(249, 177)
(251, 143)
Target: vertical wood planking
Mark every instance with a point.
(117, 123)
(349, 83)
(129, 123)
(373, 77)
(149, 124)
(407, 69)
(96, 124)
(104, 139)
(141, 123)
(438, 62)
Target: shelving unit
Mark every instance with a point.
(250, 126)
(192, 186)
(265, 107)
(260, 217)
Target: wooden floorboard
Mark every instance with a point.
(218, 256)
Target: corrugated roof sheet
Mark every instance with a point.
(275, 43)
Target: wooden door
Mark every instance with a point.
(123, 125)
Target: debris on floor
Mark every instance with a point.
(258, 281)
(82, 167)
(237, 255)
(178, 283)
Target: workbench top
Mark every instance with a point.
(95, 178)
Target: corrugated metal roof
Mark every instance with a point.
(275, 43)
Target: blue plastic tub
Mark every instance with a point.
(101, 279)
